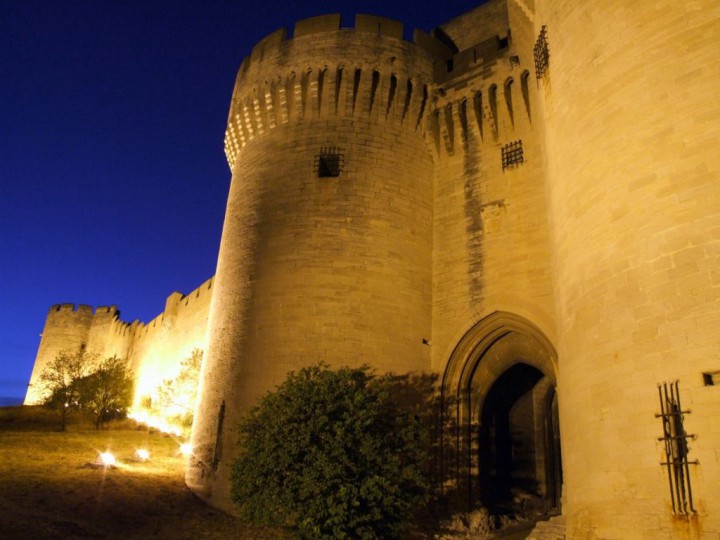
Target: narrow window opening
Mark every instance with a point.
(217, 455)
(374, 87)
(356, 87)
(449, 66)
(435, 126)
(391, 94)
(408, 99)
(508, 99)
(304, 88)
(321, 84)
(338, 86)
(290, 93)
(711, 378)
(477, 105)
(422, 106)
(464, 121)
(492, 98)
(525, 90)
(450, 124)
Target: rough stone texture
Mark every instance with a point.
(594, 261)
(631, 127)
(336, 269)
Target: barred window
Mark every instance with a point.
(676, 446)
(542, 53)
(512, 154)
(329, 162)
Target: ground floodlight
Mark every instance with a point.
(107, 459)
(186, 449)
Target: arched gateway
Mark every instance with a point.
(499, 395)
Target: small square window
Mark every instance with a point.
(711, 378)
(329, 162)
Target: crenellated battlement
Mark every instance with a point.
(368, 72)
(83, 310)
(366, 26)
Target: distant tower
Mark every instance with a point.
(67, 327)
(326, 247)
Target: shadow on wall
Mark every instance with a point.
(418, 394)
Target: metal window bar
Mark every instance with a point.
(541, 53)
(329, 162)
(676, 448)
(512, 154)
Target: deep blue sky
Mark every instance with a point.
(113, 180)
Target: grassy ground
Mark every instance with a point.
(48, 491)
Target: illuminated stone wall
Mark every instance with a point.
(315, 267)
(67, 326)
(490, 235)
(632, 128)
(154, 350)
(161, 344)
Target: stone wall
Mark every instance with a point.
(153, 350)
(312, 267)
(631, 125)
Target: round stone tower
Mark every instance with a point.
(326, 246)
(631, 127)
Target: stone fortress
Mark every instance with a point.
(154, 349)
(525, 202)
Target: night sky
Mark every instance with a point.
(113, 180)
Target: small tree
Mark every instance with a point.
(177, 397)
(107, 392)
(331, 454)
(61, 381)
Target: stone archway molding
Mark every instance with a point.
(486, 335)
(488, 349)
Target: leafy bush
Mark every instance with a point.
(107, 392)
(332, 454)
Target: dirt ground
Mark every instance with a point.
(50, 489)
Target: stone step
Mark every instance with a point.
(552, 529)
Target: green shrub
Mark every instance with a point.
(333, 455)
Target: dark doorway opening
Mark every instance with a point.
(518, 443)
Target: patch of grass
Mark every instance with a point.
(47, 491)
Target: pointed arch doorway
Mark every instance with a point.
(499, 392)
